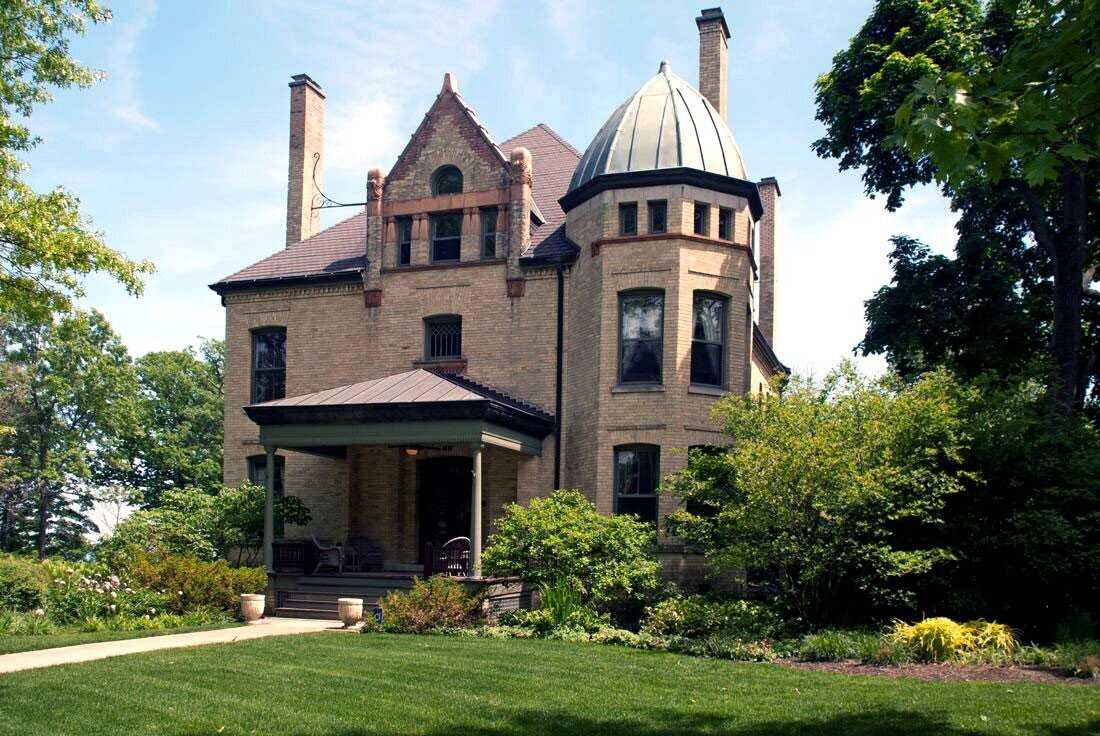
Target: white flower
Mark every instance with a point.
(114, 595)
(39, 612)
(153, 611)
(180, 592)
(114, 580)
(113, 607)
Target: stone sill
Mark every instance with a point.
(450, 365)
(696, 388)
(637, 388)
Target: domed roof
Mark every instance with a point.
(666, 124)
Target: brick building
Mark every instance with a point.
(515, 312)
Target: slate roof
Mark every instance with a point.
(340, 250)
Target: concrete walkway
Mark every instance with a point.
(103, 650)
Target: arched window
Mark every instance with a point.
(447, 180)
(637, 475)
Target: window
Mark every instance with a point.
(641, 343)
(489, 232)
(658, 216)
(725, 223)
(708, 340)
(628, 218)
(446, 237)
(443, 337)
(268, 364)
(447, 180)
(637, 468)
(702, 218)
(257, 475)
(404, 241)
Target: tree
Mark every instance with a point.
(45, 244)
(833, 493)
(177, 441)
(999, 99)
(74, 389)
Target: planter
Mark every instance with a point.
(252, 607)
(351, 610)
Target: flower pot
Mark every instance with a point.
(351, 610)
(252, 607)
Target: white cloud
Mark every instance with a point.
(828, 264)
(132, 115)
(122, 68)
(363, 135)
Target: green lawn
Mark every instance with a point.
(346, 685)
(10, 644)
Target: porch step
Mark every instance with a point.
(325, 615)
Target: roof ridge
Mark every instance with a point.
(495, 392)
(558, 138)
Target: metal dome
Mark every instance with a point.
(666, 124)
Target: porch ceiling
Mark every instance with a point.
(417, 406)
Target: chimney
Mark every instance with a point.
(713, 57)
(765, 239)
(307, 122)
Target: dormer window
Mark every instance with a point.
(446, 237)
(447, 180)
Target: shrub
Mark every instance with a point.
(611, 559)
(941, 639)
(21, 585)
(835, 645)
(695, 616)
(25, 624)
(190, 582)
(436, 602)
(543, 622)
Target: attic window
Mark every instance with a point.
(447, 180)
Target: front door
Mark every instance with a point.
(443, 499)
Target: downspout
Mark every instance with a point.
(558, 376)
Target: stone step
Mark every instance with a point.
(317, 613)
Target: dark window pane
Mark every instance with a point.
(702, 219)
(641, 341)
(636, 480)
(488, 233)
(443, 338)
(404, 241)
(725, 224)
(628, 218)
(268, 365)
(446, 237)
(708, 340)
(447, 180)
(658, 217)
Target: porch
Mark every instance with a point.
(426, 461)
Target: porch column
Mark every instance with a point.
(269, 510)
(475, 516)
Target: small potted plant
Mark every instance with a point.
(252, 607)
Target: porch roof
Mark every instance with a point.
(410, 407)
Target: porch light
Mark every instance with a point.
(412, 451)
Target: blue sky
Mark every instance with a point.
(180, 155)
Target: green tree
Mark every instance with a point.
(45, 244)
(994, 99)
(611, 559)
(834, 493)
(76, 400)
(177, 441)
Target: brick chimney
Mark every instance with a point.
(307, 122)
(765, 244)
(714, 36)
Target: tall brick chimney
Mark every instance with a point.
(714, 36)
(765, 244)
(307, 122)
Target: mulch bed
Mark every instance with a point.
(944, 672)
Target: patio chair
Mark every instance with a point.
(453, 558)
(362, 555)
(328, 555)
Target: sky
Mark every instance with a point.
(180, 155)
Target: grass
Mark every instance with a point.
(11, 643)
(352, 685)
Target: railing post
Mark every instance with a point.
(269, 510)
(475, 516)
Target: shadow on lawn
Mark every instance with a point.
(669, 723)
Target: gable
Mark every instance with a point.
(449, 134)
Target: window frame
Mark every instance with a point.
(655, 458)
(253, 370)
(651, 206)
(488, 237)
(255, 462)
(436, 320)
(701, 208)
(724, 299)
(433, 223)
(627, 294)
(403, 240)
(726, 212)
(445, 170)
(631, 207)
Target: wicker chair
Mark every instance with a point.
(452, 558)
